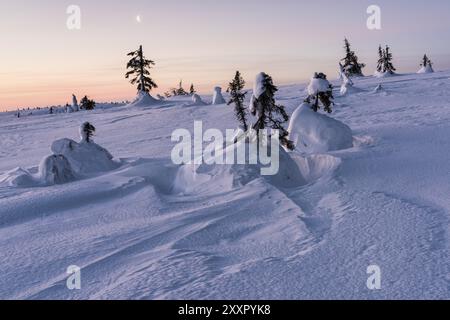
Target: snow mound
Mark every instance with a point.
(54, 169)
(347, 88)
(427, 69)
(258, 86)
(379, 89)
(144, 99)
(85, 157)
(218, 97)
(386, 74)
(318, 85)
(317, 133)
(317, 166)
(197, 101)
(219, 178)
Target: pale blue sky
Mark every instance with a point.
(201, 41)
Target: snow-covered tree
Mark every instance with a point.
(75, 106)
(388, 66)
(87, 104)
(380, 62)
(218, 97)
(385, 61)
(268, 112)
(350, 62)
(87, 131)
(237, 97)
(139, 71)
(427, 65)
(192, 90)
(320, 92)
(180, 90)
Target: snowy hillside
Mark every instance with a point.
(138, 233)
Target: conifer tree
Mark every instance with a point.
(269, 113)
(322, 97)
(192, 90)
(180, 91)
(388, 66)
(380, 63)
(139, 71)
(87, 104)
(426, 62)
(237, 97)
(351, 65)
(87, 132)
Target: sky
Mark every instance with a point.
(203, 42)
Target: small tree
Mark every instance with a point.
(269, 114)
(388, 66)
(350, 62)
(180, 91)
(237, 97)
(320, 93)
(426, 62)
(87, 131)
(87, 104)
(192, 90)
(380, 63)
(139, 71)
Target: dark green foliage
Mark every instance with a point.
(139, 71)
(87, 104)
(269, 113)
(350, 63)
(192, 90)
(88, 131)
(385, 61)
(426, 62)
(237, 97)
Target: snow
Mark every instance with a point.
(427, 69)
(197, 100)
(218, 97)
(144, 99)
(318, 85)
(386, 74)
(314, 132)
(383, 201)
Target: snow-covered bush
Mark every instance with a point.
(426, 65)
(320, 92)
(218, 97)
(347, 86)
(313, 132)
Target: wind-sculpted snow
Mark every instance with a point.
(149, 229)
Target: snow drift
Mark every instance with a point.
(317, 133)
(427, 69)
(144, 99)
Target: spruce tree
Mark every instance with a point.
(139, 71)
(426, 62)
(388, 66)
(269, 113)
(237, 97)
(324, 98)
(87, 104)
(180, 91)
(87, 132)
(351, 65)
(380, 63)
(192, 90)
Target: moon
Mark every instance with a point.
(138, 19)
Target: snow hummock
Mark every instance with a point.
(318, 85)
(218, 97)
(317, 133)
(386, 74)
(85, 157)
(56, 169)
(427, 69)
(197, 101)
(144, 99)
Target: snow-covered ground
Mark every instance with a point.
(384, 202)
